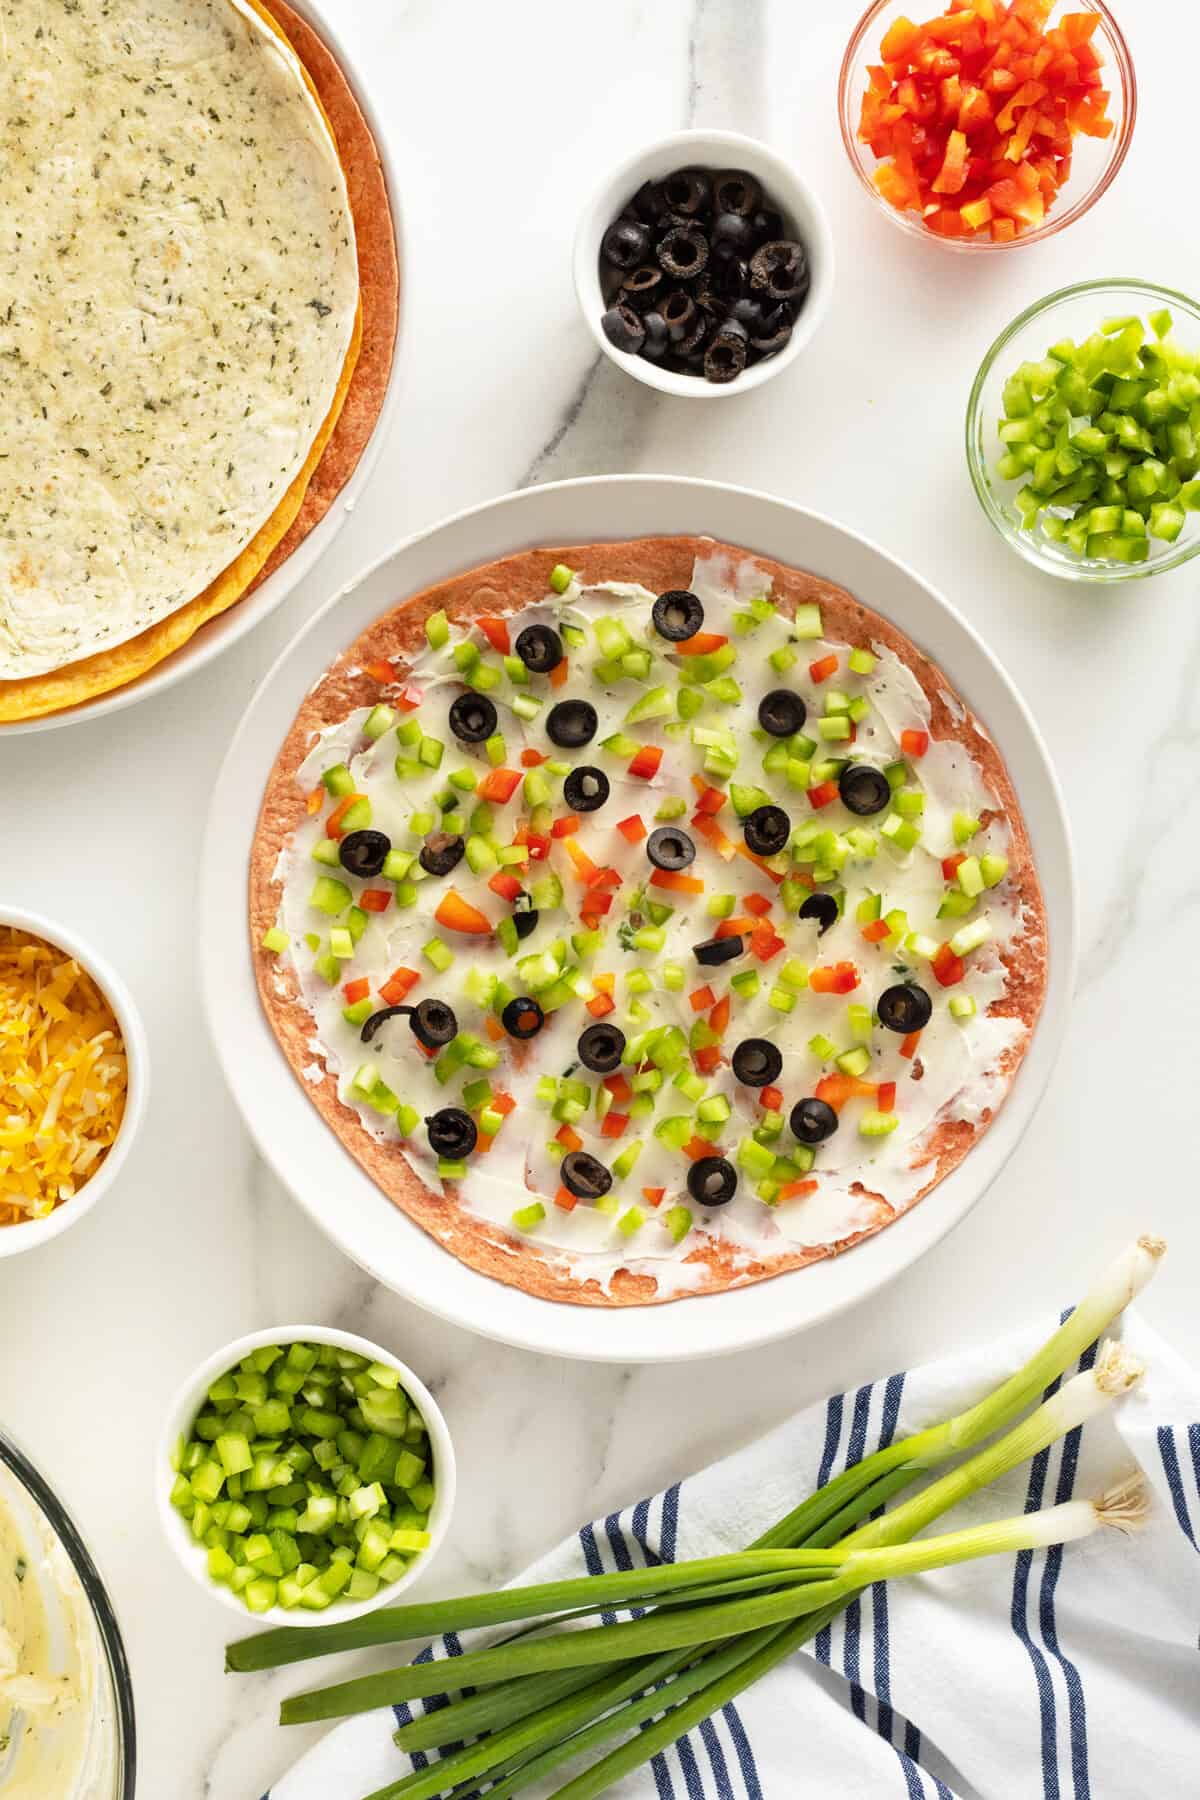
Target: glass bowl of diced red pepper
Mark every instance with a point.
(992, 123)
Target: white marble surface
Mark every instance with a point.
(501, 119)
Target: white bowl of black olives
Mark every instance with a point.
(704, 264)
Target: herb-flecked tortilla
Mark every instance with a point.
(709, 1259)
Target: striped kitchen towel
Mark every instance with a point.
(1063, 1675)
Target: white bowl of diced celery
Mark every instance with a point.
(1083, 431)
(304, 1473)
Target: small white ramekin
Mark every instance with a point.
(17, 1238)
(189, 1401)
(802, 213)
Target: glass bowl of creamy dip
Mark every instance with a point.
(66, 1700)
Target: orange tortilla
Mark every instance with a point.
(504, 588)
(338, 445)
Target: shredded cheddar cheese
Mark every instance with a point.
(62, 1077)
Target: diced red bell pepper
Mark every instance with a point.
(822, 795)
(708, 1059)
(653, 1196)
(603, 878)
(581, 862)
(596, 904)
(701, 998)
(948, 968)
(569, 1138)
(739, 927)
(381, 670)
(771, 1098)
(375, 900)
(886, 1098)
(408, 699)
(615, 1124)
(567, 826)
(758, 904)
(835, 1090)
(711, 799)
(532, 759)
(356, 990)
(676, 882)
(908, 1045)
(645, 763)
(760, 862)
(823, 668)
(333, 824)
(765, 941)
(314, 800)
(631, 829)
(496, 633)
(559, 673)
(876, 931)
(702, 644)
(900, 40)
(600, 1005)
(797, 1190)
(718, 1018)
(706, 827)
(914, 743)
(499, 785)
(504, 884)
(565, 1200)
(950, 864)
(697, 1148)
(456, 914)
(951, 178)
(539, 845)
(399, 984)
(619, 1087)
(604, 982)
(833, 978)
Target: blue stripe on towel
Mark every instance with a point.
(855, 1447)
(1076, 1707)
(716, 1757)
(835, 1406)
(745, 1754)
(595, 1566)
(1194, 1448)
(1174, 1475)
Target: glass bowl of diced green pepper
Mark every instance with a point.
(1083, 431)
(304, 1474)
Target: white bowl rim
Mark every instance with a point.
(15, 1239)
(186, 1403)
(637, 1334)
(225, 629)
(789, 187)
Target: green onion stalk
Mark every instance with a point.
(718, 1624)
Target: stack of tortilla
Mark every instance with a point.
(198, 305)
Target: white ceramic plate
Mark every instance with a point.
(228, 627)
(308, 1157)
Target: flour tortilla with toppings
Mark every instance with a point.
(506, 587)
(369, 291)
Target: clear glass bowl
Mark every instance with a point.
(1094, 161)
(68, 1578)
(1073, 312)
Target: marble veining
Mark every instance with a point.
(502, 120)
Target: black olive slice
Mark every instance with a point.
(677, 615)
(683, 251)
(601, 1048)
(670, 847)
(640, 286)
(904, 1008)
(812, 1121)
(725, 356)
(525, 917)
(767, 830)
(624, 331)
(584, 1175)
(586, 789)
(523, 1017)
(658, 340)
(433, 1023)
(572, 723)
(864, 790)
(687, 192)
(824, 909)
(757, 1062)
(441, 852)
(714, 951)
(377, 1020)
(712, 1181)
(625, 243)
(452, 1133)
(364, 852)
(735, 191)
(780, 268)
(539, 648)
(679, 313)
(472, 718)
(781, 712)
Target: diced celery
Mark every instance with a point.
(854, 1062)
(561, 578)
(526, 1217)
(970, 937)
(877, 1124)
(275, 940)
(962, 1007)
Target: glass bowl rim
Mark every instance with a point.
(1096, 573)
(101, 1606)
(1054, 222)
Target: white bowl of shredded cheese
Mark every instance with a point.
(73, 1079)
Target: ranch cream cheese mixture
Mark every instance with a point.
(178, 286)
(635, 916)
(55, 1735)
